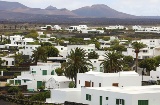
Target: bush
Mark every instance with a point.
(13, 89)
(71, 84)
(41, 96)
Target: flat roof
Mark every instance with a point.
(68, 89)
(100, 74)
(130, 89)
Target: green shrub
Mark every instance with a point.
(71, 84)
(13, 89)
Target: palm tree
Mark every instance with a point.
(93, 55)
(39, 54)
(76, 63)
(137, 46)
(112, 62)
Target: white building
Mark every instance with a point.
(77, 28)
(135, 95)
(56, 82)
(19, 41)
(28, 49)
(66, 94)
(36, 77)
(115, 27)
(120, 79)
(9, 61)
(93, 31)
(146, 29)
(151, 50)
(88, 48)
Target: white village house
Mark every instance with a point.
(89, 79)
(41, 75)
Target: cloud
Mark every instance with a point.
(137, 7)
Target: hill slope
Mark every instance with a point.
(10, 5)
(100, 10)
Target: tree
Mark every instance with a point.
(149, 64)
(1, 61)
(118, 47)
(76, 63)
(157, 58)
(115, 42)
(51, 51)
(137, 46)
(128, 60)
(93, 55)
(45, 44)
(33, 34)
(59, 71)
(112, 62)
(127, 63)
(18, 59)
(39, 54)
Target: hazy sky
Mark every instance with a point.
(134, 7)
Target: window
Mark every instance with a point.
(142, 102)
(30, 47)
(92, 84)
(12, 62)
(88, 97)
(79, 81)
(11, 81)
(145, 51)
(101, 69)
(61, 48)
(88, 49)
(44, 72)
(52, 73)
(17, 82)
(106, 98)
(33, 72)
(99, 84)
(120, 102)
(6, 62)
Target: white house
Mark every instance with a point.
(88, 48)
(56, 82)
(115, 27)
(77, 28)
(36, 77)
(45, 27)
(57, 27)
(96, 65)
(59, 96)
(134, 95)
(151, 50)
(9, 61)
(19, 41)
(146, 29)
(28, 49)
(137, 28)
(121, 79)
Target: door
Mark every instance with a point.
(100, 100)
(39, 84)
